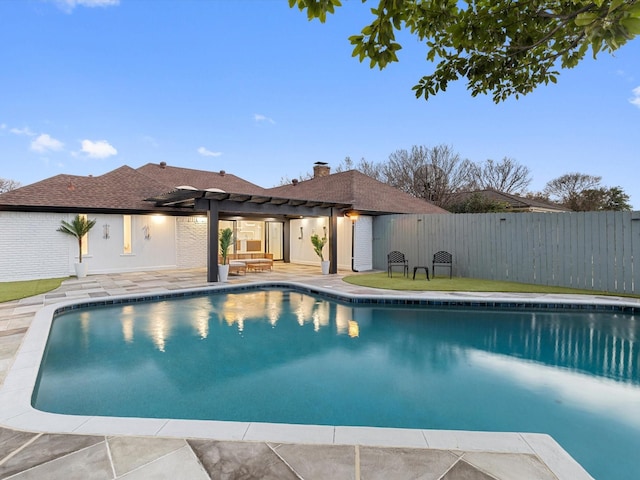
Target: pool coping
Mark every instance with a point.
(16, 411)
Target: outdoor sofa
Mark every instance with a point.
(241, 262)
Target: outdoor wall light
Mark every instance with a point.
(105, 231)
(301, 233)
(147, 232)
(350, 214)
(324, 228)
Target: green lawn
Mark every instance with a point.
(398, 282)
(17, 290)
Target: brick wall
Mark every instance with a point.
(362, 247)
(191, 242)
(30, 247)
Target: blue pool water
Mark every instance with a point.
(286, 356)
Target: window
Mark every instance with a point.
(85, 238)
(126, 231)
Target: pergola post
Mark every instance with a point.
(212, 241)
(333, 241)
(286, 247)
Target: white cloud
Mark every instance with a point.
(208, 153)
(3, 126)
(22, 131)
(98, 149)
(149, 140)
(635, 100)
(46, 143)
(69, 5)
(623, 74)
(261, 118)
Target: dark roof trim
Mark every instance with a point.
(88, 210)
(238, 201)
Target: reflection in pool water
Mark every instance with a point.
(291, 357)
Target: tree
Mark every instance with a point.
(600, 199)
(615, 199)
(570, 185)
(400, 168)
(285, 180)
(583, 193)
(477, 203)
(7, 185)
(539, 196)
(318, 245)
(226, 240)
(364, 166)
(429, 173)
(78, 228)
(368, 168)
(506, 176)
(499, 46)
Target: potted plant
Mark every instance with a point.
(78, 228)
(318, 245)
(226, 239)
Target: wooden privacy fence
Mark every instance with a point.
(590, 250)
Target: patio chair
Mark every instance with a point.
(397, 259)
(442, 259)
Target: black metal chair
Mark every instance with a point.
(397, 259)
(442, 259)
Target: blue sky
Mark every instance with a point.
(254, 88)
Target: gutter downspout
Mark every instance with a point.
(353, 246)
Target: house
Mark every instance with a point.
(159, 217)
(513, 203)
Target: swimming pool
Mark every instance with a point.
(316, 361)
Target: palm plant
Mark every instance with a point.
(318, 244)
(226, 239)
(78, 228)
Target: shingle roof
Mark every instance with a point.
(121, 189)
(514, 201)
(201, 179)
(365, 193)
(125, 189)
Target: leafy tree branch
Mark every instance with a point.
(501, 47)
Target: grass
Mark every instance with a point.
(445, 284)
(17, 290)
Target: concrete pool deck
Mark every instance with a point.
(39, 445)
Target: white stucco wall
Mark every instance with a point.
(302, 249)
(31, 248)
(153, 253)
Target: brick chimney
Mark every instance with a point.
(321, 169)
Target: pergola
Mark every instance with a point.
(217, 203)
